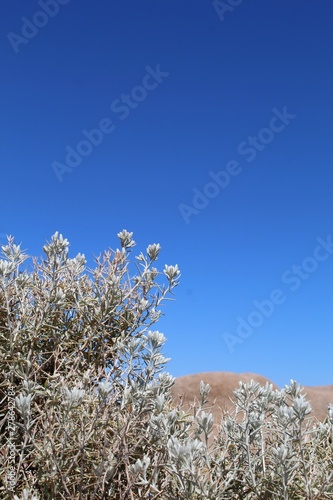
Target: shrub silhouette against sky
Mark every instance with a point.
(86, 406)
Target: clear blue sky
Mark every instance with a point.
(216, 142)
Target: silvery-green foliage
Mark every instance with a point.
(204, 391)
(278, 449)
(153, 251)
(139, 469)
(86, 368)
(27, 495)
(104, 389)
(83, 368)
(23, 404)
(73, 398)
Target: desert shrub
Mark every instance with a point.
(85, 403)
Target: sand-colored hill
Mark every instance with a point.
(223, 383)
(319, 397)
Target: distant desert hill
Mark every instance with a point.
(319, 397)
(223, 383)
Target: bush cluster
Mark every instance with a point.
(85, 404)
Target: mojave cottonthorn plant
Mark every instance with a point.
(85, 403)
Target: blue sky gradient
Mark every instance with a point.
(203, 126)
